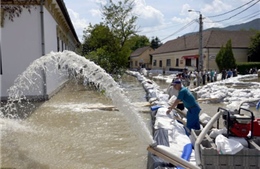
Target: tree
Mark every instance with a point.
(225, 57)
(254, 48)
(108, 44)
(155, 43)
(101, 47)
(219, 58)
(14, 9)
(138, 41)
(119, 19)
(228, 57)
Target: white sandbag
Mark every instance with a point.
(204, 118)
(171, 100)
(215, 132)
(227, 146)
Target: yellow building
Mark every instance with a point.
(141, 58)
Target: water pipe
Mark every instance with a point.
(162, 152)
(203, 134)
(44, 78)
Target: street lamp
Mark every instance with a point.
(200, 68)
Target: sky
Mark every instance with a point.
(168, 19)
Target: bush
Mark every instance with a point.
(244, 67)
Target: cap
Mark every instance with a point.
(176, 81)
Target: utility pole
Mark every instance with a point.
(200, 65)
(200, 44)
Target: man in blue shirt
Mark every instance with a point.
(189, 102)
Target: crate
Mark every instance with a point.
(247, 158)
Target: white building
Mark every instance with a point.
(47, 27)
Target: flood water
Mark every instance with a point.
(66, 132)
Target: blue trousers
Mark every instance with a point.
(193, 121)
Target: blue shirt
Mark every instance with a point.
(187, 98)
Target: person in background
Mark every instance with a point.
(215, 75)
(229, 73)
(224, 74)
(204, 77)
(211, 75)
(189, 102)
(234, 72)
(171, 91)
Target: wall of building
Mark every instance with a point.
(50, 35)
(174, 56)
(144, 58)
(209, 55)
(240, 55)
(20, 45)
(54, 75)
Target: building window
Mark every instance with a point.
(160, 64)
(58, 44)
(168, 62)
(154, 63)
(62, 46)
(177, 62)
(135, 63)
(188, 62)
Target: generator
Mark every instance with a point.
(238, 124)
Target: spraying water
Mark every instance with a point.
(74, 65)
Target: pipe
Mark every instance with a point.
(165, 154)
(202, 135)
(43, 50)
(1, 68)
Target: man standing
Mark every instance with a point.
(189, 102)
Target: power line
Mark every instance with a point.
(231, 10)
(238, 12)
(247, 17)
(169, 27)
(182, 28)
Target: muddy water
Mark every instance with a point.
(66, 132)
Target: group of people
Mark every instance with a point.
(225, 74)
(252, 71)
(201, 77)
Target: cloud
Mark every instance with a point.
(102, 2)
(217, 6)
(95, 13)
(148, 16)
(185, 9)
(79, 23)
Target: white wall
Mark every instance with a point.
(50, 32)
(21, 44)
(53, 78)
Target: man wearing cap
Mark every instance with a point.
(189, 102)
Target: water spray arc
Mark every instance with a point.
(67, 65)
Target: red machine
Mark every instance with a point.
(256, 127)
(240, 125)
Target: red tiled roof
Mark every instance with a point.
(211, 39)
